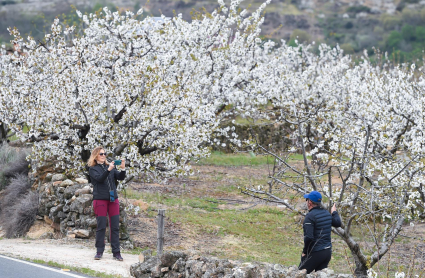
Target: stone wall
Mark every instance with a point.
(181, 265)
(66, 205)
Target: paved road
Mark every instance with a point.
(14, 268)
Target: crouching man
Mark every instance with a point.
(317, 228)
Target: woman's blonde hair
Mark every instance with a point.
(94, 153)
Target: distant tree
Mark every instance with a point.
(420, 33)
(408, 32)
(393, 41)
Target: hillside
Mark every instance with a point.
(395, 26)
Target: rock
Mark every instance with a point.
(92, 223)
(84, 190)
(88, 211)
(55, 210)
(70, 190)
(48, 235)
(81, 233)
(70, 224)
(40, 229)
(169, 258)
(80, 203)
(66, 208)
(147, 253)
(48, 220)
(58, 177)
(57, 183)
(48, 177)
(70, 235)
(140, 269)
(179, 265)
(67, 183)
(196, 266)
(81, 181)
(301, 274)
(165, 269)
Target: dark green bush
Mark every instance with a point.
(420, 33)
(358, 9)
(393, 41)
(408, 32)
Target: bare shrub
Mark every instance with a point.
(7, 154)
(12, 162)
(17, 188)
(18, 219)
(18, 165)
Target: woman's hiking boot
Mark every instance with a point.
(117, 256)
(98, 256)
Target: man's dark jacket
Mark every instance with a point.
(100, 176)
(317, 229)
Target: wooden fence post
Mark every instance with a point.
(160, 244)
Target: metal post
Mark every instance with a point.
(160, 244)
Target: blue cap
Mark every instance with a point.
(314, 196)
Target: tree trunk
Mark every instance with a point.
(3, 133)
(361, 269)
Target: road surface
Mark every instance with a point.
(14, 268)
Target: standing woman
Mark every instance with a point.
(105, 200)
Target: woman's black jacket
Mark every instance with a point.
(102, 180)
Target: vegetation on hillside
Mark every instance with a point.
(401, 35)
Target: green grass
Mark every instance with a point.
(82, 270)
(259, 234)
(134, 251)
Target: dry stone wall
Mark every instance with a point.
(67, 206)
(177, 264)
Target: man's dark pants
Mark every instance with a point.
(102, 208)
(316, 260)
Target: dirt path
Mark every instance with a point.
(72, 254)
